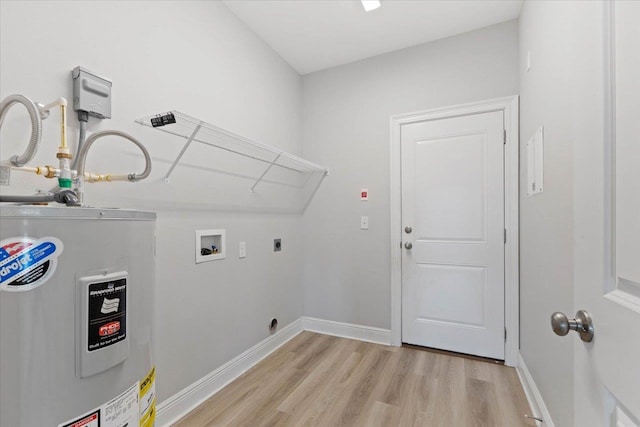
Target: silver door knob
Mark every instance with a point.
(408, 245)
(408, 229)
(582, 324)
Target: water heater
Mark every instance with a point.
(76, 317)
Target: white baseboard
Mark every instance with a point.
(186, 400)
(533, 394)
(181, 403)
(347, 330)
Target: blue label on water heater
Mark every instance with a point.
(26, 263)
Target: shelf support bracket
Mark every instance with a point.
(315, 190)
(184, 149)
(265, 172)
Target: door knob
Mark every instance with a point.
(408, 229)
(408, 245)
(582, 324)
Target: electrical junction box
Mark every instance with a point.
(91, 93)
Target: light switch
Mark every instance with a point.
(364, 223)
(242, 250)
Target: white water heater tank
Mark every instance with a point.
(76, 317)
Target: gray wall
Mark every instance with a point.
(346, 113)
(198, 58)
(546, 220)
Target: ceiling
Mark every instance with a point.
(312, 35)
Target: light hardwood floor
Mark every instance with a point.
(320, 380)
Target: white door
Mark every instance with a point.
(453, 232)
(607, 229)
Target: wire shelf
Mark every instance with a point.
(195, 130)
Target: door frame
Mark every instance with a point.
(509, 106)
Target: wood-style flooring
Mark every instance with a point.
(320, 380)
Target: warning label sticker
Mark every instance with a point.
(91, 420)
(148, 399)
(121, 411)
(26, 263)
(107, 313)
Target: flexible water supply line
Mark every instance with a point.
(36, 126)
(82, 157)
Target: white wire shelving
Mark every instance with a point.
(195, 130)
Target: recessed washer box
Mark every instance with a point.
(210, 245)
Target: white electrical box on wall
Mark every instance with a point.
(535, 162)
(210, 245)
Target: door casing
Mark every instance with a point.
(509, 107)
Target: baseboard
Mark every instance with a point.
(347, 330)
(181, 403)
(533, 394)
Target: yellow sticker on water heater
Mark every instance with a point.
(148, 399)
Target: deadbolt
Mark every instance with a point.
(408, 229)
(582, 324)
(408, 245)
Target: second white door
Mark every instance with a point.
(453, 234)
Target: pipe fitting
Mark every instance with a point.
(51, 172)
(67, 197)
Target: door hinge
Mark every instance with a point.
(504, 136)
(505, 236)
(505, 334)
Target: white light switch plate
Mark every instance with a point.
(242, 250)
(364, 223)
